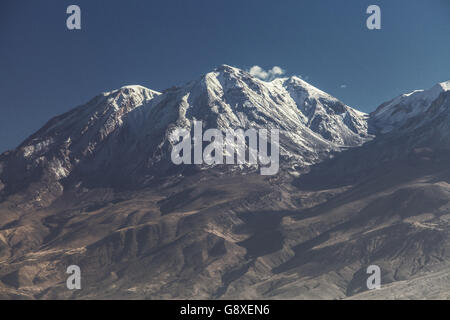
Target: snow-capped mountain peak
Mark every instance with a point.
(393, 114)
(445, 85)
(122, 136)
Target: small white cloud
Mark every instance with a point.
(258, 72)
(268, 75)
(277, 71)
(343, 86)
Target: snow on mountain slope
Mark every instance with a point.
(67, 141)
(88, 125)
(325, 115)
(395, 113)
(421, 119)
(121, 137)
(231, 98)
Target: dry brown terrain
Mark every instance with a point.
(219, 236)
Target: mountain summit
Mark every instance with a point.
(96, 188)
(120, 138)
(399, 111)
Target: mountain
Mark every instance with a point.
(121, 138)
(421, 117)
(404, 112)
(411, 126)
(96, 187)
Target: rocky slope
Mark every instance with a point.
(95, 187)
(121, 138)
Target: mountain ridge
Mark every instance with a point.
(95, 188)
(128, 128)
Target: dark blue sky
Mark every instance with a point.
(46, 69)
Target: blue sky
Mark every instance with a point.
(46, 69)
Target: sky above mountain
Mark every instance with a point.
(47, 69)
